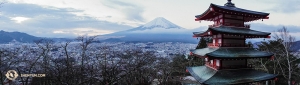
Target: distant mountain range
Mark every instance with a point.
(6, 37)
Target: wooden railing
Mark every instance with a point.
(214, 44)
(226, 45)
(229, 67)
(233, 45)
(212, 66)
(233, 24)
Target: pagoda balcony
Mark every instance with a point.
(212, 66)
(208, 64)
(232, 25)
(214, 44)
(226, 45)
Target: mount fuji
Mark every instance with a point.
(157, 30)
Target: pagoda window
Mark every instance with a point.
(206, 59)
(208, 33)
(219, 41)
(214, 41)
(217, 62)
(211, 62)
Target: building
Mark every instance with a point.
(227, 56)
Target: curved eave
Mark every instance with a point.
(203, 51)
(217, 9)
(236, 57)
(201, 73)
(206, 75)
(230, 53)
(249, 15)
(240, 10)
(236, 53)
(200, 34)
(238, 76)
(239, 31)
(232, 30)
(206, 15)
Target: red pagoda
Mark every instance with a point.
(226, 58)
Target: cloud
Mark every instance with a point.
(133, 12)
(293, 30)
(273, 28)
(82, 31)
(45, 21)
(19, 19)
(284, 6)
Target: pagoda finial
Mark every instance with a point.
(229, 4)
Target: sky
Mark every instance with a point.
(71, 18)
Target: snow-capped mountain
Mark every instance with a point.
(157, 30)
(160, 22)
(158, 25)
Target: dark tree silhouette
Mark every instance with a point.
(202, 43)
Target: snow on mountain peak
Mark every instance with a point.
(161, 23)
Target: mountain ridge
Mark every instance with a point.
(18, 36)
(157, 30)
(6, 37)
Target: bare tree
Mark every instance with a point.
(283, 62)
(287, 42)
(8, 61)
(85, 42)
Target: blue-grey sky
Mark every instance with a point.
(70, 18)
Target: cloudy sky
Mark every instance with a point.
(70, 18)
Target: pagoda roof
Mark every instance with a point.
(231, 53)
(203, 51)
(236, 9)
(213, 8)
(232, 30)
(207, 75)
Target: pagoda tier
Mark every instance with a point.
(246, 33)
(214, 11)
(229, 57)
(224, 36)
(230, 53)
(209, 76)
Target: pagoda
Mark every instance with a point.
(226, 58)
